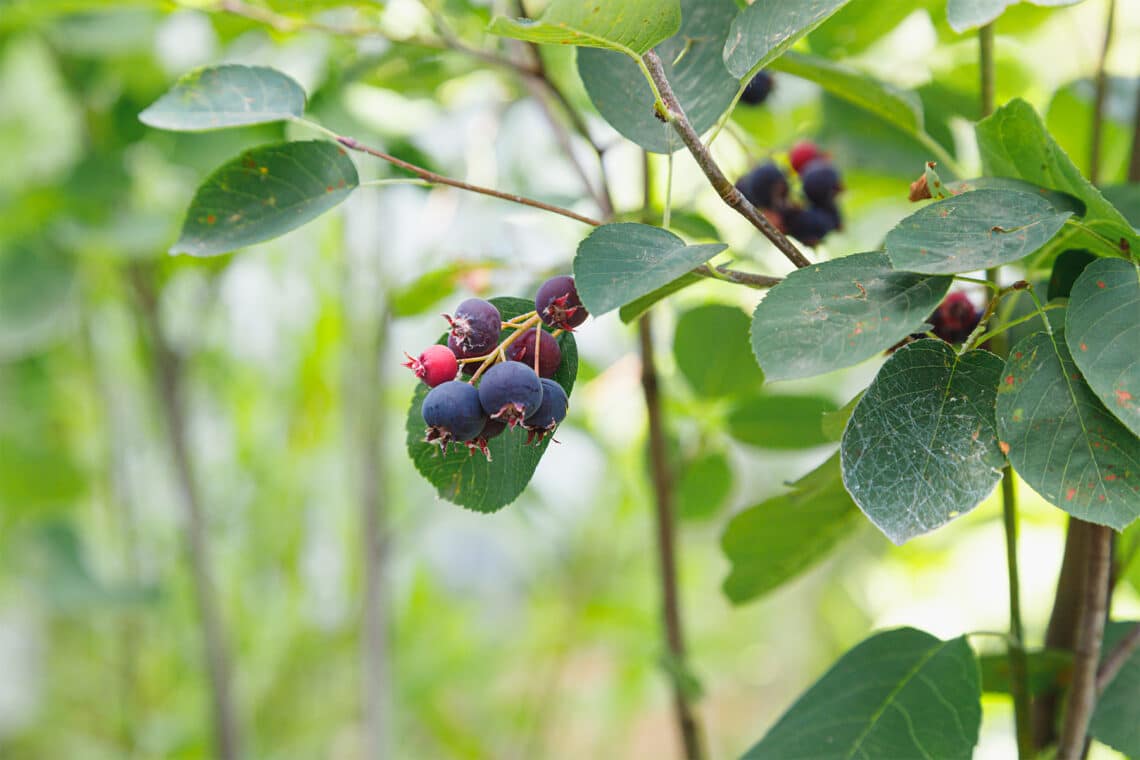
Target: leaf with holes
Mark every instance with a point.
(472, 481)
(765, 29)
(921, 446)
(964, 15)
(779, 422)
(1061, 439)
(899, 694)
(838, 313)
(264, 193)
(707, 346)
(631, 27)
(618, 263)
(1102, 328)
(218, 97)
(693, 65)
(775, 541)
(971, 231)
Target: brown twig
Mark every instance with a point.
(1115, 659)
(1100, 93)
(675, 114)
(749, 279)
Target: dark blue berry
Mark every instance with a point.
(510, 392)
(549, 413)
(821, 182)
(549, 354)
(765, 186)
(809, 225)
(453, 413)
(758, 89)
(558, 304)
(475, 328)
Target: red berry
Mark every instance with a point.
(549, 353)
(803, 153)
(434, 366)
(955, 318)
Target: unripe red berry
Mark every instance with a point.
(955, 318)
(803, 153)
(437, 364)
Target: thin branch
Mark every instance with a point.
(1115, 660)
(749, 279)
(1018, 662)
(439, 179)
(1101, 93)
(986, 68)
(675, 114)
(1086, 654)
(1134, 161)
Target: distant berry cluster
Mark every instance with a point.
(510, 384)
(767, 188)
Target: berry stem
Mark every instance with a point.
(499, 353)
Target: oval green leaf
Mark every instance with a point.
(921, 446)
(839, 313)
(1116, 721)
(965, 15)
(1102, 328)
(264, 193)
(703, 486)
(899, 694)
(1061, 439)
(710, 346)
(217, 97)
(773, 542)
(472, 481)
(780, 422)
(618, 263)
(693, 65)
(765, 29)
(972, 231)
(631, 26)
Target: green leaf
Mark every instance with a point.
(711, 348)
(631, 27)
(1116, 720)
(264, 193)
(1048, 669)
(1060, 201)
(899, 694)
(472, 481)
(217, 97)
(1102, 328)
(1126, 199)
(1061, 439)
(765, 29)
(838, 313)
(975, 230)
(779, 422)
(38, 297)
(1014, 143)
(833, 423)
(424, 292)
(964, 15)
(773, 542)
(703, 486)
(1066, 269)
(639, 306)
(618, 263)
(901, 108)
(693, 65)
(921, 447)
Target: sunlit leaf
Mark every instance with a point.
(964, 15)
(631, 26)
(766, 28)
(703, 486)
(217, 97)
(778, 421)
(710, 345)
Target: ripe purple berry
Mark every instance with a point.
(558, 304)
(474, 328)
(758, 89)
(434, 366)
(549, 353)
(491, 428)
(453, 413)
(809, 225)
(821, 182)
(955, 318)
(510, 392)
(549, 413)
(765, 186)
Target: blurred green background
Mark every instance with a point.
(531, 633)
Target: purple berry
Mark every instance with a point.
(558, 304)
(758, 89)
(809, 225)
(549, 413)
(491, 428)
(955, 318)
(821, 182)
(453, 413)
(510, 392)
(765, 186)
(474, 328)
(549, 354)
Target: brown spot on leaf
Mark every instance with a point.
(1003, 446)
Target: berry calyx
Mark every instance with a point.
(491, 428)
(955, 318)
(453, 414)
(474, 328)
(758, 89)
(821, 182)
(543, 420)
(803, 153)
(510, 392)
(765, 186)
(549, 352)
(558, 304)
(436, 365)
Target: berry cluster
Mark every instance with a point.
(510, 383)
(766, 187)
